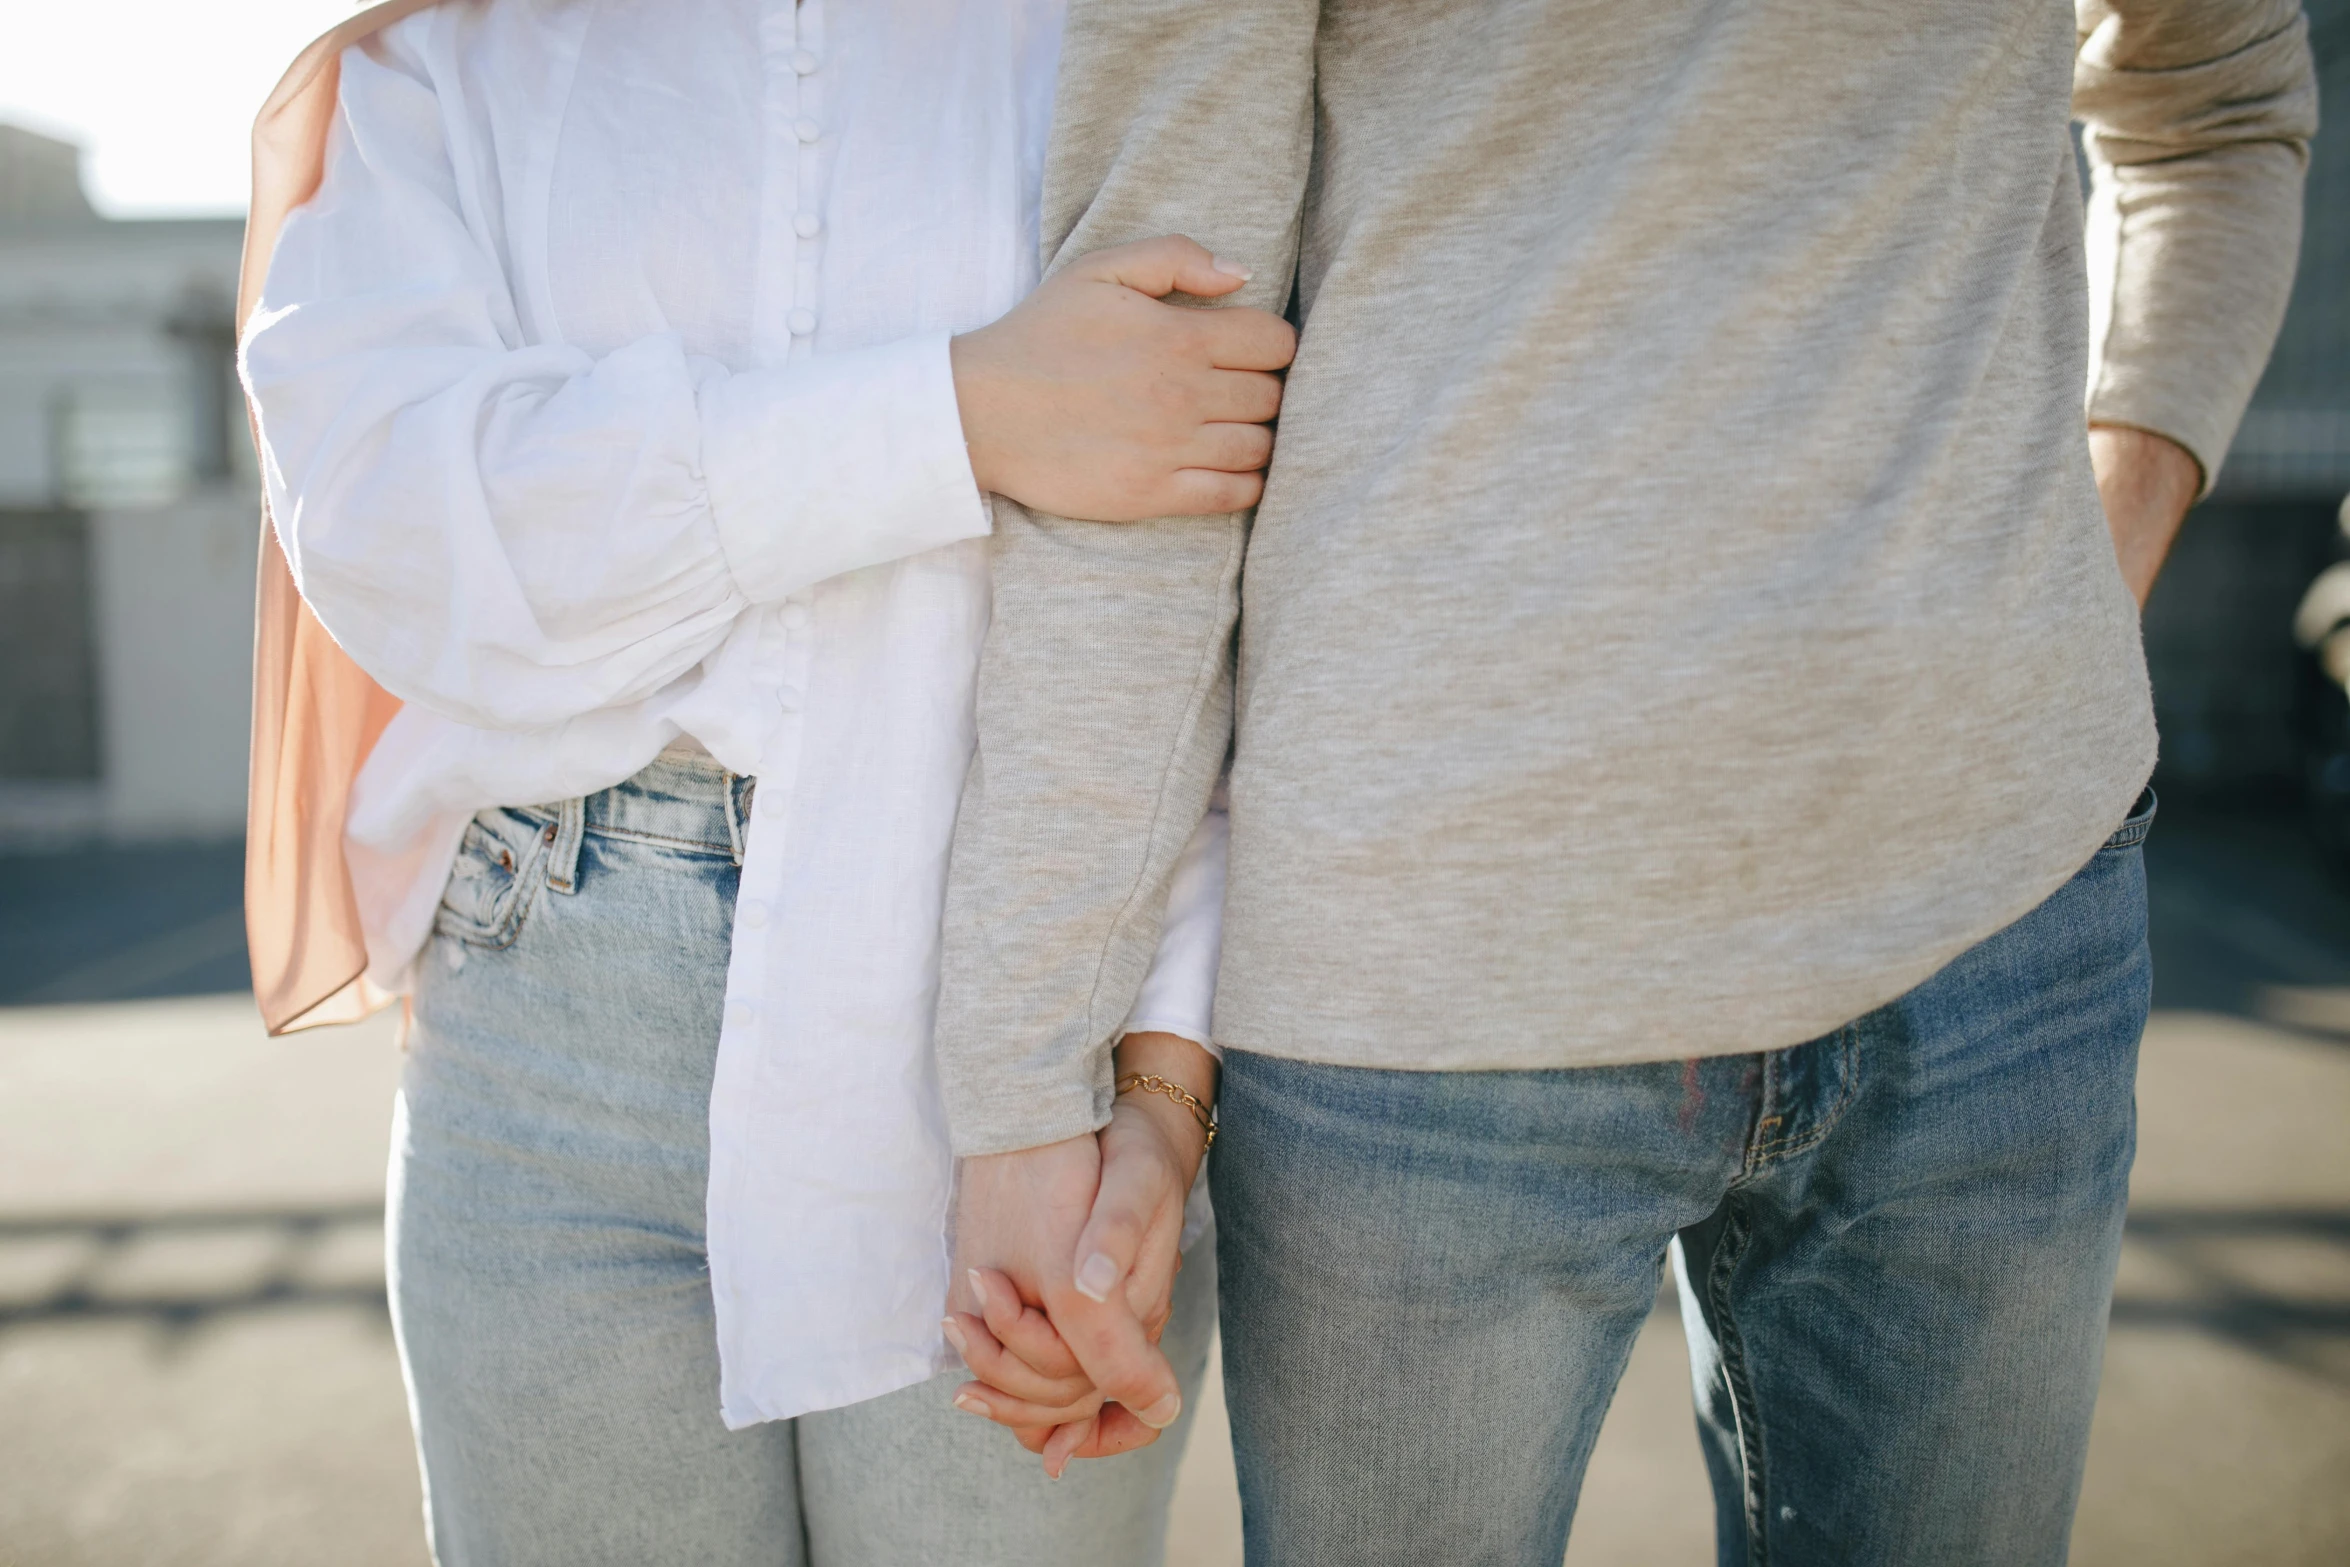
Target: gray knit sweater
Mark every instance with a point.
(1680, 618)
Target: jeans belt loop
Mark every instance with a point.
(739, 789)
(563, 857)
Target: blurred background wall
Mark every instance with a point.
(127, 507)
(2228, 692)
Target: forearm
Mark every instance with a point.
(2146, 482)
(1179, 994)
(2198, 125)
(1100, 740)
(545, 535)
(1105, 688)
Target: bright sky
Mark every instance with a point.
(161, 93)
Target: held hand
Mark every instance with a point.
(1132, 1245)
(1151, 1152)
(1127, 1258)
(1093, 398)
(2147, 483)
(1018, 1220)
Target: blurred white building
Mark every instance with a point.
(127, 516)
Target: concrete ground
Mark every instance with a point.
(196, 1368)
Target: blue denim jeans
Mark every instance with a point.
(1895, 1249)
(549, 1278)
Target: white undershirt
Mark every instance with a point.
(606, 404)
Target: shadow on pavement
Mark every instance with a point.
(122, 924)
(182, 1269)
(2250, 919)
(2205, 1251)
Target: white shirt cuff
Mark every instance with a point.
(1179, 994)
(837, 462)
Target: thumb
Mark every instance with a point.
(1120, 1358)
(1094, 1319)
(1166, 265)
(1132, 1190)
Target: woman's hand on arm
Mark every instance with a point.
(1095, 398)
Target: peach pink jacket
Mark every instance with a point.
(316, 714)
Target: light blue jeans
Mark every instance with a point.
(1895, 1248)
(550, 1285)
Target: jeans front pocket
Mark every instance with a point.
(501, 864)
(2133, 832)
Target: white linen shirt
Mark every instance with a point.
(605, 404)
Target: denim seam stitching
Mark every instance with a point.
(734, 820)
(1731, 1345)
(529, 874)
(2132, 833)
(714, 850)
(1785, 1148)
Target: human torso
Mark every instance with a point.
(1681, 616)
(640, 168)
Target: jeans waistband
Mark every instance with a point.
(680, 797)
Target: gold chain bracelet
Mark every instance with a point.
(1150, 1084)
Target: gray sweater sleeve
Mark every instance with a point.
(1105, 685)
(2199, 114)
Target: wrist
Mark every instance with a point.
(2153, 461)
(1176, 1134)
(1179, 1060)
(965, 360)
(1183, 1129)
(2146, 482)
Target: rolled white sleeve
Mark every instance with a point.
(514, 533)
(836, 463)
(1179, 994)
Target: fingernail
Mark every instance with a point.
(954, 1332)
(970, 1402)
(1234, 269)
(1161, 1414)
(978, 1286)
(1098, 1277)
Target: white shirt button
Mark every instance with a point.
(807, 225)
(739, 1013)
(796, 617)
(774, 802)
(788, 698)
(803, 62)
(754, 914)
(802, 322)
(807, 130)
